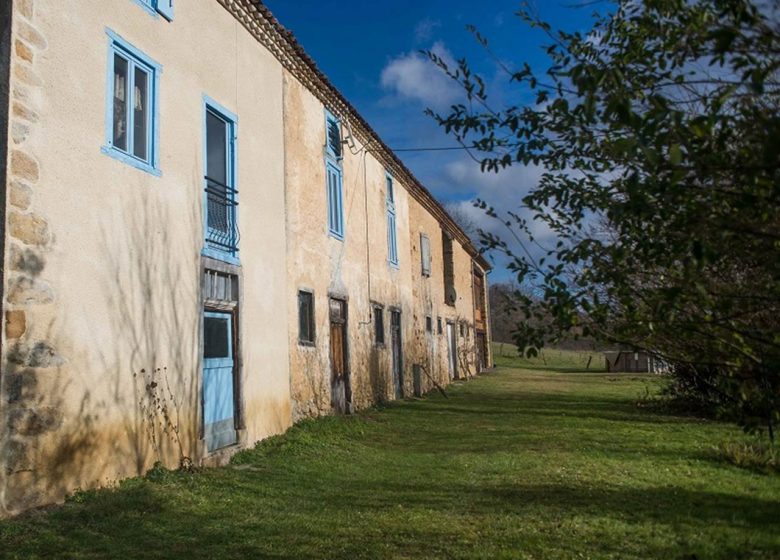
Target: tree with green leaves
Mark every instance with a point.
(659, 134)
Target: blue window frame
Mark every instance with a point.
(155, 7)
(335, 200)
(220, 193)
(132, 106)
(392, 238)
(334, 176)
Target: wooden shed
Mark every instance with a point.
(633, 361)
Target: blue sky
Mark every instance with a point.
(370, 51)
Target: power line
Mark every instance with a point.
(433, 149)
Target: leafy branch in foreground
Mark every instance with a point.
(659, 134)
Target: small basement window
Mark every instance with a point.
(305, 317)
(429, 324)
(379, 325)
(438, 325)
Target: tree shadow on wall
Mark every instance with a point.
(150, 279)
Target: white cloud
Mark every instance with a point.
(423, 32)
(412, 76)
(504, 192)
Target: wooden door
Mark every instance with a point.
(219, 416)
(397, 349)
(481, 351)
(452, 350)
(341, 393)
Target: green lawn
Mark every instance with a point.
(520, 463)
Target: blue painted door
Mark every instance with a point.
(218, 393)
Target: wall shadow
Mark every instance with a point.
(151, 279)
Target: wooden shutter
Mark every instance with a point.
(425, 254)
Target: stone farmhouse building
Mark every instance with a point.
(203, 242)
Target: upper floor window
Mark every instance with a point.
(333, 144)
(392, 238)
(390, 189)
(448, 269)
(333, 176)
(425, 254)
(221, 195)
(131, 112)
(162, 7)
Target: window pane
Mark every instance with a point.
(306, 317)
(390, 193)
(216, 332)
(379, 325)
(120, 103)
(219, 199)
(334, 137)
(338, 310)
(392, 246)
(334, 201)
(216, 148)
(425, 252)
(140, 114)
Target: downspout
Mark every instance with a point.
(368, 244)
(6, 13)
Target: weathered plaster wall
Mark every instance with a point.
(430, 301)
(330, 267)
(357, 269)
(103, 260)
(102, 285)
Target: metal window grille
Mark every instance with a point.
(222, 228)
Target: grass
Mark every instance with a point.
(520, 463)
(550, 359)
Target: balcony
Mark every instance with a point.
(221, 226)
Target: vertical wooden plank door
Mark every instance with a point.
(481, 351)
(398, 365)
(452, 350)
(218, 381)
(341, 394)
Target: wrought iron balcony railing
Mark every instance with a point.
(221, 204)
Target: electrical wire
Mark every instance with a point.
(433, 149)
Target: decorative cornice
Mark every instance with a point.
(281, 43)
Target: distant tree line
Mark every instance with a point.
(506, 314)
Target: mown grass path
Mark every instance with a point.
(520, 463)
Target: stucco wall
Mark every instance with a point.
(328, 266)
(104, 259)
(357, 269)
(430, 301)
(102, 294)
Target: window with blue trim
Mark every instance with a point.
(392, 239)
(132, 121)
(163, 7)
(221, 196)
(334, 176)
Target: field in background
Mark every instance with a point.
(505, 355)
